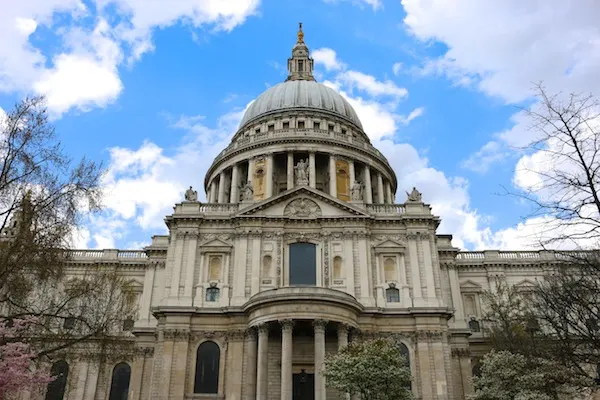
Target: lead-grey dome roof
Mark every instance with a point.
(294, 94)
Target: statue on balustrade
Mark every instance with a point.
(301, 173)
(191, 195)
(414, 196)
(356, 191)
(247, 192)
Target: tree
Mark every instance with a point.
(17, 369)
(43, 199)
(561, 172)
(512, 376)
(374, 369)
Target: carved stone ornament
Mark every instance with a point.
(247, 192)
(191, 195)
(301, 173)
(414, 196)
(356, 191)
(302, 208)
(461, 352)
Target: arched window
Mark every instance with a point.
(389, 269)
(119, 386)
(207, 368)
(56, 388)
(266, 267)
(406, 354)
(337, 267)
(303, 264)
(214, 268)
(392, 295)
(212, 294)
(474, 325)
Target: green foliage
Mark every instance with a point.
(511, 376)
(375, 369)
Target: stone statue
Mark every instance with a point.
(247, 192)
(356, 191)
(191, 195)
(301, 173)
(414, 196)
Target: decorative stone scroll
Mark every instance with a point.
(302, 208)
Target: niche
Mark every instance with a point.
(215, 264)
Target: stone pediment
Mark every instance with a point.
(303, 202)
(215, 244)
(389, 245)
(470, 286)
(525, 284)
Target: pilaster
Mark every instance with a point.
(312, 172)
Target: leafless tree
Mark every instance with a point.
(43, 197)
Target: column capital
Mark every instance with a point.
(250, 334)
(341, 327)
(262, 328)
(287, 325)
(319, 325)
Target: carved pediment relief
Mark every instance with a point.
(302, 202)
(525, 284)
(389, 246)
(215, 245)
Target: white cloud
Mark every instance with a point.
(370, 85)
(417, 112)
(328, 58)
(83, 73)
(374, 4)
(397, 67)
(489, 154)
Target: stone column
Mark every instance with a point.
(319, 326)
(262, 376)
(342, 333)
(332, 176)
(287, 326)
(388, 192)
(380, 194)
(222, 185)
(290, 170)
(368, 187)
(312, 171)
(235, 185)
(352, 172)
(269, 185)
(250, 169)
(250, 373)
(212, 197)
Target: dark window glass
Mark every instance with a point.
(271, 128)
(330, 127)
(119, 386)
(56, 388)
(128, 324)
(474, 326)
(286, 125)
(303, 264)
(406, 354)
(212, 294)
(69, 323)
(257, 130)
(301, 124)
(300, 66)
(476, 370)
(316, 125)
(392, 295)
(207, 368)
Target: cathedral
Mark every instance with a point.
(300, 249)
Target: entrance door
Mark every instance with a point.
(303, 386)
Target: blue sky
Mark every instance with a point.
(154, 90)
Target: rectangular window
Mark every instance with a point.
(343, 131)
(300, 66)
(303, 264)
(316, 124)
(301, 124)
(286, 125)
(271, 128)
(392, 295)
(331, 126)
(257, 130)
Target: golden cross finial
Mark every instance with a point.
(300, 34)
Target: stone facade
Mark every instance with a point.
(300, 170)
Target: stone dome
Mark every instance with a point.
(300, 94)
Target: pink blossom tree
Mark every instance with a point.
(18, 370)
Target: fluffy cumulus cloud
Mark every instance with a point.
(94, 39)
(143, 183)
(501, 49)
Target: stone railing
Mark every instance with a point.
(108, 254)
(500, 256)
(242, 142)
(387, 209)
(223, 208)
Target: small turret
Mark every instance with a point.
(300, 65)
